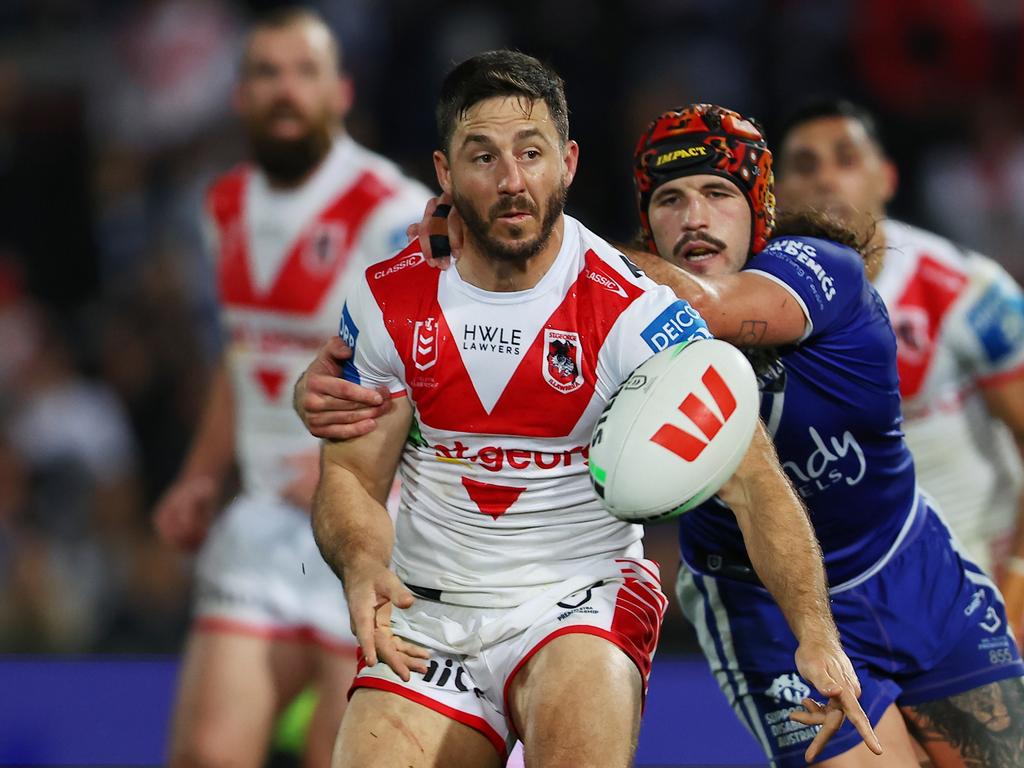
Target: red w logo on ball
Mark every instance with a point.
(682, 443)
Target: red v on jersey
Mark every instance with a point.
(530, 404)
(270, 381)
(315, 260)
(492, 499)
(918, 317)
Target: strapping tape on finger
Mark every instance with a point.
(437, 229)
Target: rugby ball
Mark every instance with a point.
(675, 431)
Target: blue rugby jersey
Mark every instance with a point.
(832, 403)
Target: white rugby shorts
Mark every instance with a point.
(259, 572)
(476, 652)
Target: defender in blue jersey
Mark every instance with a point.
(925, 628)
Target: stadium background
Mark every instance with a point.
(114, 115)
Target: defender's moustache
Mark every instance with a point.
(690, 237)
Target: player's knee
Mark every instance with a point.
(580, 704)
(206, 748)
(580, 754)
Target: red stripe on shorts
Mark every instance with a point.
(474, 722)
(635, 626)
(302, 634)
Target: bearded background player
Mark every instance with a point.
(500, 537)
(288, 231)
(959, 321)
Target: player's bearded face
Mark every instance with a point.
(513, 243)
(288, 158)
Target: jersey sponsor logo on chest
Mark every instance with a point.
(492, 338)
(563, 360)
(494, 458)
(827, 464)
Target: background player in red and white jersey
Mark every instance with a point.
(959, 322)
(539, 612)
(289, 232)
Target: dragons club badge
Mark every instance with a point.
(563, 360)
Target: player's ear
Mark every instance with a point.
(443, 171)
(344, 96)
(571, 159)
(890, 180)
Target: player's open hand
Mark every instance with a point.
(440, 232)
(183, 514)
(825, 665)
(332, 407)
(372, 590)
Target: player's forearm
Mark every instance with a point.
(740, 308)
(780, 541)
(213, 447)
(350, 526)
(698, 291)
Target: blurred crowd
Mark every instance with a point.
(114, 115)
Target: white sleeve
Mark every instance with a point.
(657, 320)
(375, 361)
(987, 330)
(384, 234)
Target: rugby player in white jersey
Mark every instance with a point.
(505, 601)
(289, 231)
(959, 322)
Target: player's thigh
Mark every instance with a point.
(335, 669)
(577, 702)
(980, 727)
(896, 741)
(382, 730)
(230, 688)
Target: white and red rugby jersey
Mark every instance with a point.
(284, 261)
(959, 322)
(506, 388)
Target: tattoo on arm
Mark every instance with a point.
(751, 333)
(985, 725)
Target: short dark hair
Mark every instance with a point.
(499, 73)
(832, 107)
(286, 16)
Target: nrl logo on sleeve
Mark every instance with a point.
(681, 157)
(424, 343)
(563, 360)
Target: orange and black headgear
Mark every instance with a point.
(705, 138)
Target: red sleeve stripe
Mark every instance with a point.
(998, 379)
